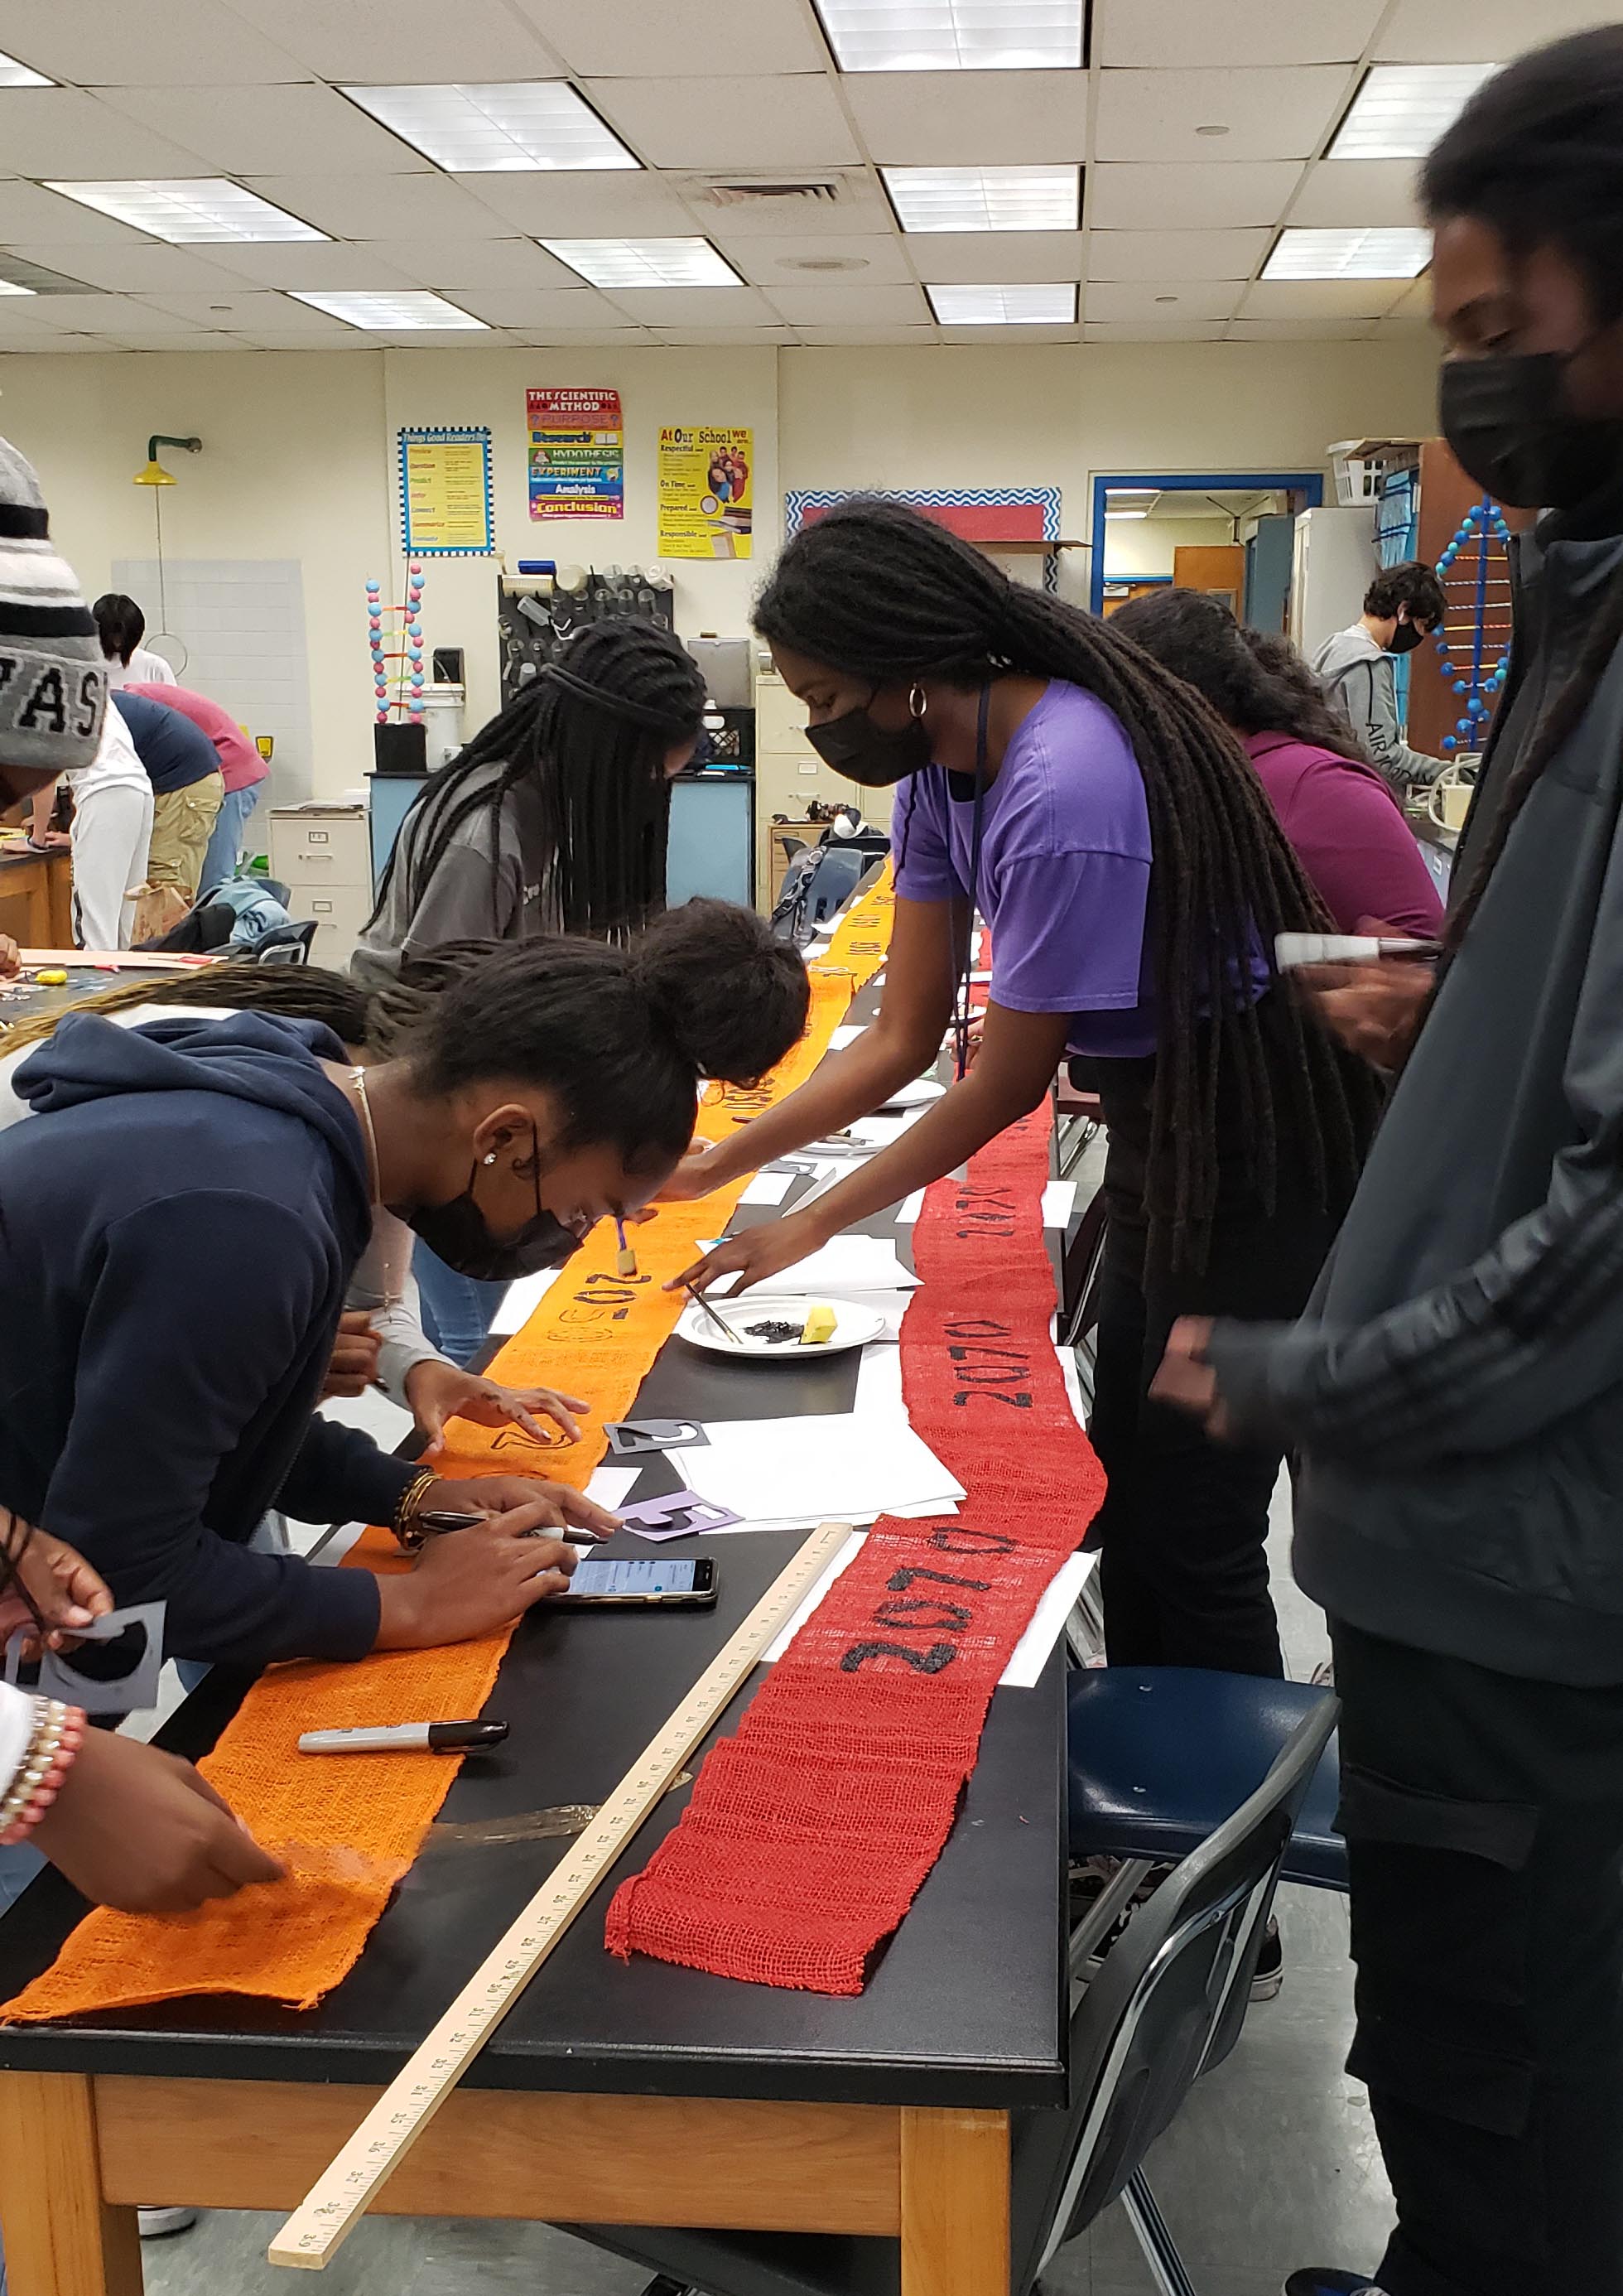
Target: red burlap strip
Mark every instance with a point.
(808, 1835)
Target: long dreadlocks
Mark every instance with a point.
(1537, 155)
(586, 741)
(878, 592)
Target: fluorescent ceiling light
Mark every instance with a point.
(494, 125)
(1401, 109)
(645, 262)
(985, 199)
(1053, 305)
(953, 34)
(1127, 513)
(9, 287)
(1394, 254)
(200, 209)
(15, 75)
(391, 314)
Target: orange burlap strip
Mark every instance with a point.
(350, 1829)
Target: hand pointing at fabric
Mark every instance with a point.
(756, 1254)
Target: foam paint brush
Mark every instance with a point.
(625, 1260)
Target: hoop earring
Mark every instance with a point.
(918, 701)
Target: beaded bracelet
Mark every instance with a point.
(407, 1505)
(59, 1733)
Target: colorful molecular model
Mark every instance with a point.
(407, 652)
(1468, 561)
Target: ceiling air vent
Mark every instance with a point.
(821, 191)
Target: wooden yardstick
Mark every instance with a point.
(317, 2228)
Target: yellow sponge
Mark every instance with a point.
(819, 1326)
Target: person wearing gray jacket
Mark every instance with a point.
(1403, 605)
(1455, 1389)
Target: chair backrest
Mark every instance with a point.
(1167, 2001)
(287, 944)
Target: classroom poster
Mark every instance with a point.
(577, 453)
(445, 501)
(706, 477)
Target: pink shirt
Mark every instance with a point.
(241, 764)
(1348, 833)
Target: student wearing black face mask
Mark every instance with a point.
(198, 1193)
(1402, 607)
(1454, 1392)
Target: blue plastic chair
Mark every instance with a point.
(1162, 1755)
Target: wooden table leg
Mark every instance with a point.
(58, 878)
(61, 2238)
(955, 2203)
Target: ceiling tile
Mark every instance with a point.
(467, 263)
(793, 121)
(253, 130)
(316, 263)
(1415, 302)
(341, 339)
(424, 40)
(248, 307)
(1298, 331)
(30, 214)
(1480, 31)
(1025, 335)
(990, 118)
(742, 338)
(858, 206)
(1175, 254)
(825, 307)
(877, 258)
(1221, 32)
(1357, 192)
(703, 307)
(1167, 301)
(531, 309)
(148, 267)
(599, 339)
(678, 39)
(1273, 113)
(353, 207)
(995, 258)
(1153, 330)
(63, 133)
(589, 204)
(54, 344)
(16, 327)
(200, 339)
(1321, 299)
(857, 336)
(111, 42)
(1192, 196)
(97, 314)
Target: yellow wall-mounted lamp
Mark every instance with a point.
(154, 474)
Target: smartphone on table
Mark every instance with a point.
(684, 1583)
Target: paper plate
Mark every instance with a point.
(855, 1325)
(916, 1094)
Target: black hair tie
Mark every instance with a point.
(598, 697)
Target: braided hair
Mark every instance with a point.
(1537, 155)
(292, 992)
(586, 741)
(1255, 680)
(878, 592)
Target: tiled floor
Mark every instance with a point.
(1273, 2163)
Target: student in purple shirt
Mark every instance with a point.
(1339, 813)
(1133, 878)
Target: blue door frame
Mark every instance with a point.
(1307, 483)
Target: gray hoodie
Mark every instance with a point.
(1456, 1385)
(1357, 677)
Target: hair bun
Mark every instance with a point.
(731, 997)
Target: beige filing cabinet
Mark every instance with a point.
(323, 854)
(789, 772)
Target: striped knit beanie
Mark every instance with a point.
(52, 675)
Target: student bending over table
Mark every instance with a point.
(198, 1194)
(1134, 876)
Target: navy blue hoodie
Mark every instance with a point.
(178, 1221)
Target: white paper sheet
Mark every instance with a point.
(1059, 1202)
(846, 1265)
(819, 1469)
(523, 1298)
(875, 1132)
(1029, 1655)
(611, 1487)
(845, 1035)
(769, 1188)
(908, 1211)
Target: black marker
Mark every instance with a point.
(406, 1737)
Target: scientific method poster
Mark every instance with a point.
(577, 453)
(706, 482)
